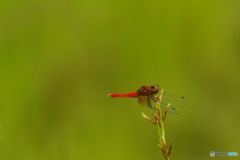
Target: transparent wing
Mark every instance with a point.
(142, 100)
(173, 102)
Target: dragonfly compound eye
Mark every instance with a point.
(152, 87)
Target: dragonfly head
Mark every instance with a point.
(154, 89)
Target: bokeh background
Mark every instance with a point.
(59, 59)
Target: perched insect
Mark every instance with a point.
(147, 94)
(144, 94)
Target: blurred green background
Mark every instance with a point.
(59, 59)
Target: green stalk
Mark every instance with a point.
(158, 119)
(161, 129)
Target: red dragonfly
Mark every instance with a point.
(147, 94)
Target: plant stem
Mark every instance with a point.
(158, 119)
(160, 127)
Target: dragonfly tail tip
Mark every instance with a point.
(109, 94)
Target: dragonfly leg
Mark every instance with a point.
(154, 98)
(149, 102)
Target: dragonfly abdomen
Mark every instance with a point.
(130, 94)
